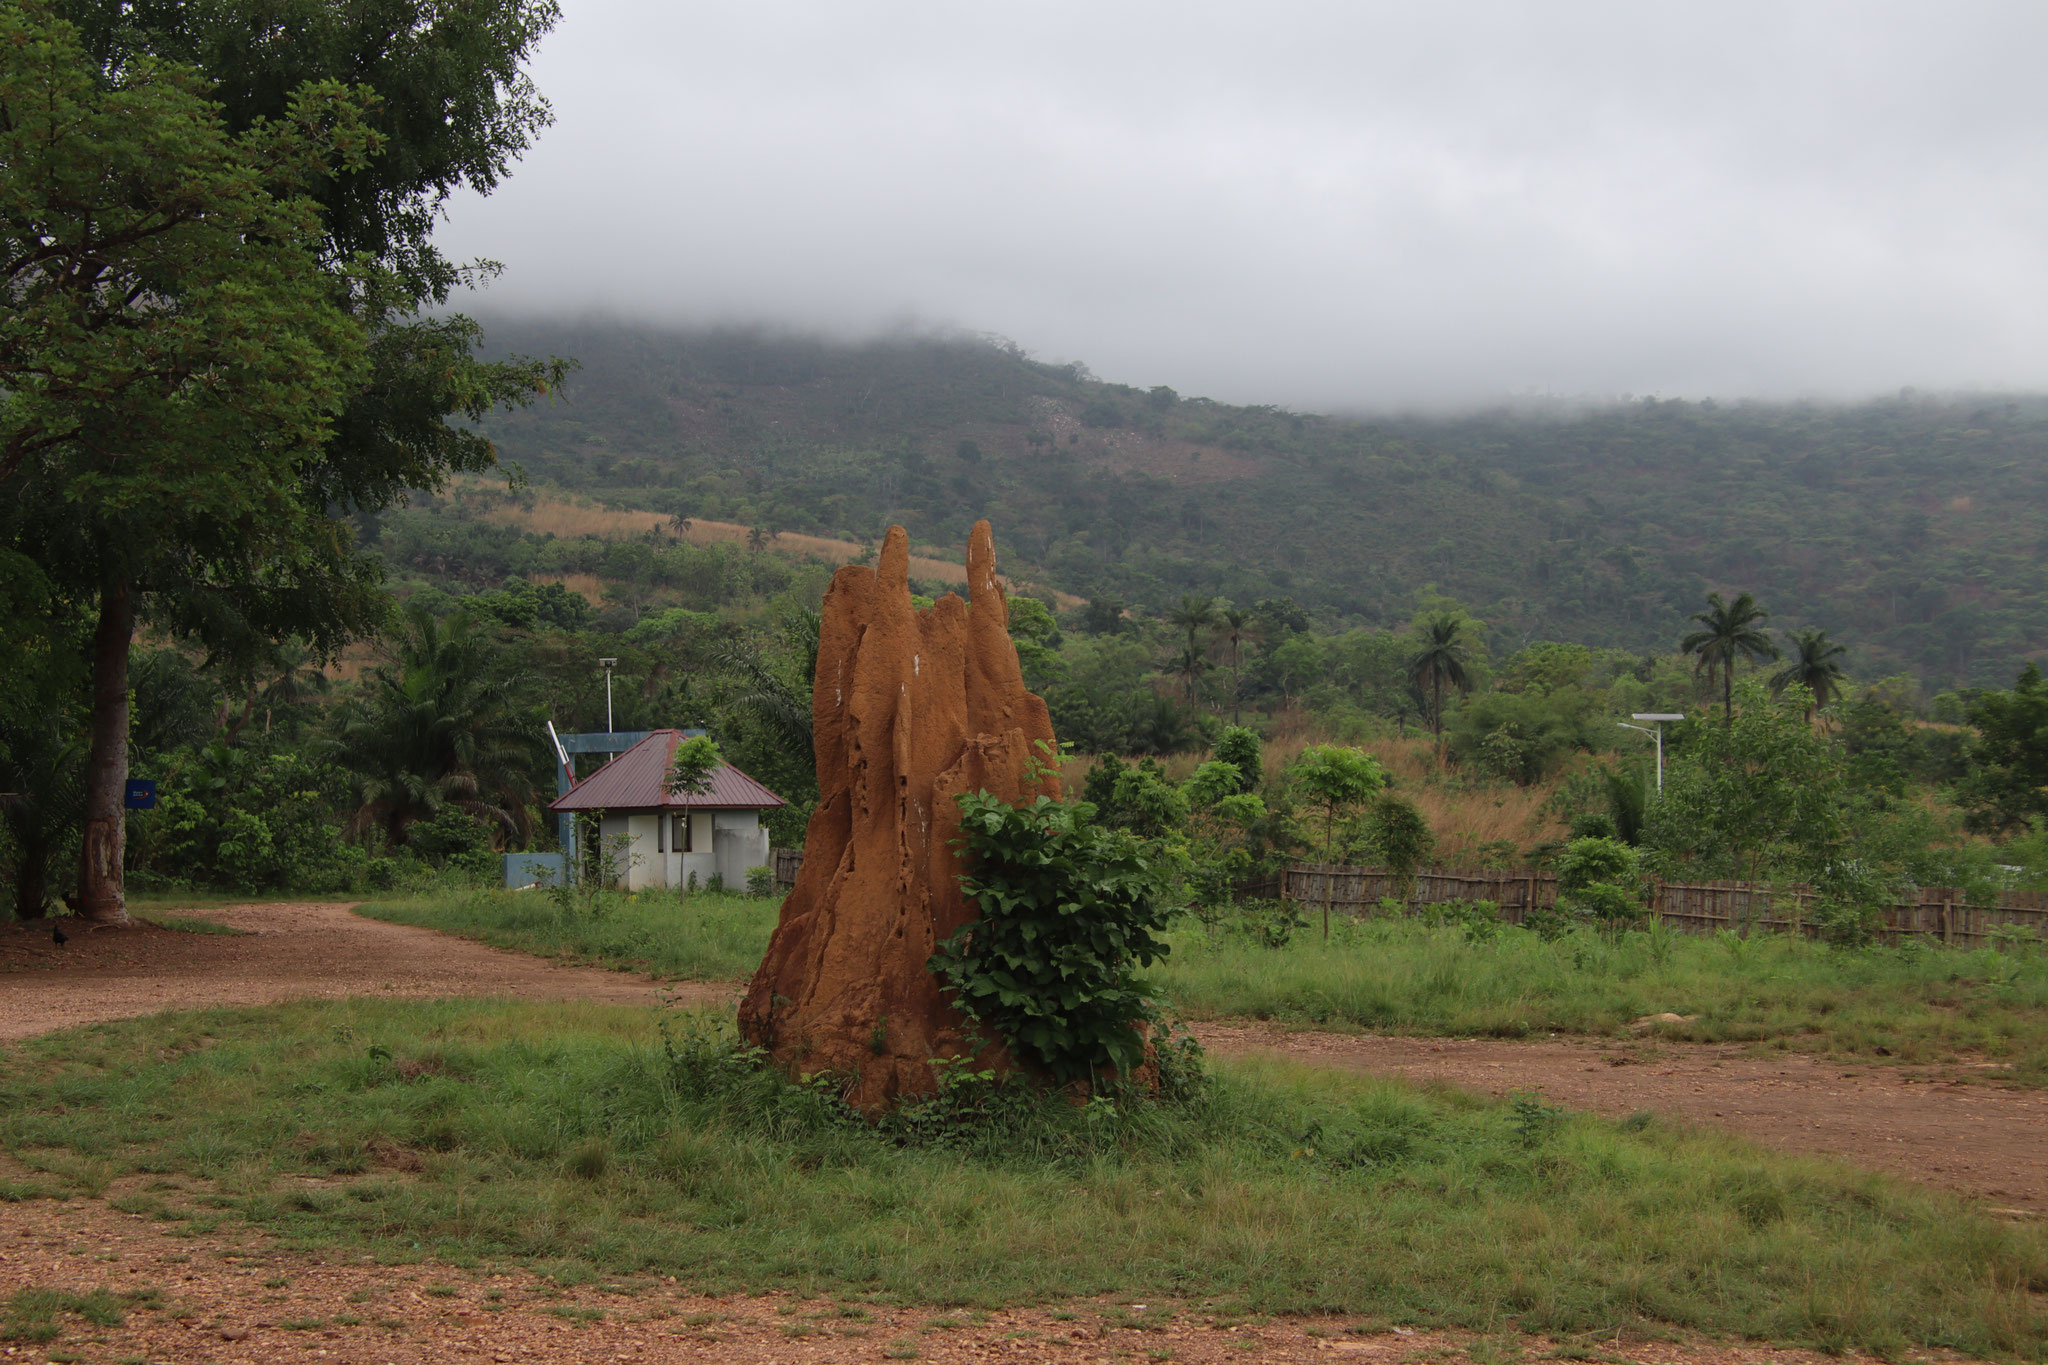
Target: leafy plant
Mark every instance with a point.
(1400, 838)
(1335, 779)
(1599, 880)
(1240, 748)
(1070, 911)
(1270, 923)
(691, 767)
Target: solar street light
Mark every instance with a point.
(1659, 717)
(608, 665)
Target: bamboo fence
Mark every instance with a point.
(1937, 913)
(787, 861)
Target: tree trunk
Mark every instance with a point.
(32, 878)
(241, 722)
(1728, 693)
(102, 895)
(1329, 874)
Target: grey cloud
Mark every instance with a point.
(1325, 205)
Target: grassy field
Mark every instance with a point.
(566, 1137)
(1404, 976)
(705, 936)
(1914, 1003)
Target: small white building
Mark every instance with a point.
(716, 833)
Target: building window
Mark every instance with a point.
(681, 842)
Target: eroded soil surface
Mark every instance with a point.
(232, 1295)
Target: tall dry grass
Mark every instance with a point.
(1466, 813)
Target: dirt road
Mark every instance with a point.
(288, 952)
(1941, 1126)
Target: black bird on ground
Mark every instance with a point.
(58, 936)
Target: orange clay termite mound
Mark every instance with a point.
(911, 708)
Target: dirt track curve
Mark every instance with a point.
(298, 951)
(1944, 1126)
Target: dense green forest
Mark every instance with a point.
(1910, 527)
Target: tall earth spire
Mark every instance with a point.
(911, 708)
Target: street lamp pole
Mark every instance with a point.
(1659, 717)
(608, 665)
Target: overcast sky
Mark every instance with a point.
(1322, 205)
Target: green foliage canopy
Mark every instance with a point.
(2007, 788)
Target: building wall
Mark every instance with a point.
(722, 843)
(738, 842)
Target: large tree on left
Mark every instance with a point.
(444, 104)
(173, 353)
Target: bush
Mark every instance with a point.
(1399, 837)
(455, 839)
(1269, 923)
(1070, 910)
(244, 820)
(1599, 881)
(1478, 921)
(761, 881)
(1240, 747)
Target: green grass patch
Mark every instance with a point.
(37, 1315)
(1915, 1003)
(700, 936)
(466, 1130)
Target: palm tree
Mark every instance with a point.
(776, 691)
(1440, 663)
(298, 679)
(759, 537)
(435, 730)
(1236, 625)
(1628, 792)
(1728, 631)
(1816, 665)
(1189, 665)
(1194, 615)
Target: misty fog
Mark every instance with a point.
(1328, 206)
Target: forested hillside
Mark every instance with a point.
(1911, 527)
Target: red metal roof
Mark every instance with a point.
(634, 781)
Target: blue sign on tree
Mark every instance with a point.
(141, 794)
